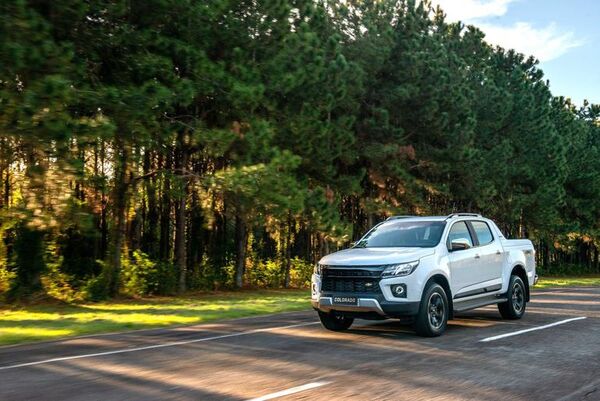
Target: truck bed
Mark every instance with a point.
(517, 244)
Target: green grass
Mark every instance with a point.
(557, 281)
(52, 321)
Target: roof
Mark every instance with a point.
(433, 218)
(411, 218)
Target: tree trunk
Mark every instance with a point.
(5, 154)
(29, 244)
(119, 216)
(241, 240)
(151, 221)
(180, 215)
(165, 216)
(547, 255)
(196, 233)
(288, 251)
(7, 188)
(6, 194)
(104, 207)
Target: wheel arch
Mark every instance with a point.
(440, 279)
(519, 270)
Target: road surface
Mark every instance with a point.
(553, 353)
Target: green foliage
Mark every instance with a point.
(261, 188)
(263, 132)
(205, 277)
(28, 263)
(6, 279)
(141, 276)
(264, 273)
(58, 285)
(77, 239)
(301, 273)
(270, 274)
(567, 270)
(97, 288)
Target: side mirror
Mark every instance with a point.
(459, 244)
(352, 244)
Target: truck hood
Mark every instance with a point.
(375, 256)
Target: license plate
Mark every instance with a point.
(345, 300)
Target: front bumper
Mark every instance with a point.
(367, 304)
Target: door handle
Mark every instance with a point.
(477, 256)
(498, 252)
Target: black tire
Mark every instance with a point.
(514, 308)
(432, 319)
(334, 321)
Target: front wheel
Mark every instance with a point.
(514, 308)
(334, 321)
(432, 318)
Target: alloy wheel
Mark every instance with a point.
(436, 310)
(518, 297)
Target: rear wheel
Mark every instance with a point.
(432, 319)
(335, 321)
(514, 308)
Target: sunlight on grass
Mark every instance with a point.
(35, 332)
(16, 334)
(44, 322)
(549, 282)
(47, 322)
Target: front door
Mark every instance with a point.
(463, 263)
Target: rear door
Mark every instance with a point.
(463, 263)
(490, 254)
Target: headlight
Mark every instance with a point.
(400, 269)
(318, 269)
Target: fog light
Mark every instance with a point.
(399, 290)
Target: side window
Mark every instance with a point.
(459, 231)
(483, 232)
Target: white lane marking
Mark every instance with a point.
(171, 344)
(516, 333)
(290, 391)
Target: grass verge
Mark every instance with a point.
(557, 281)
(52, 321)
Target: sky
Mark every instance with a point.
(562, 34)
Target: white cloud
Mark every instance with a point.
(545, 43)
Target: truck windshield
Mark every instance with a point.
(421, 234)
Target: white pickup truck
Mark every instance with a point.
(424, 269)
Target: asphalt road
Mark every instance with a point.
(289, 356)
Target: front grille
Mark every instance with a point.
(351, 280)
(346, 273)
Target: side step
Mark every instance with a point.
(478, 303)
